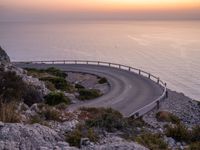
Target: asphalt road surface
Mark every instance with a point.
(128, 91)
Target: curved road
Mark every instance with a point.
(128, 92)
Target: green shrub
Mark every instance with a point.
(92, 135)
(85, 94)
(179, 132)
(55, 98)
(74, 138)
(56, 72)
(167, 116)
(108, 119)
(52, 71)
(35, 119)
(152, 141)
(81, 131)
(102, 80)
(59, 83)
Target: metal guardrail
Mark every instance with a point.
(140, 72)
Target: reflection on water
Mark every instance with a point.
(170, 50)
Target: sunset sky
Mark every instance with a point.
(127, 9)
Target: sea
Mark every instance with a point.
(167, 49)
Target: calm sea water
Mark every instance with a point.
(170, 50)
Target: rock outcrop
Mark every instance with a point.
(30, 137)
(4, 58)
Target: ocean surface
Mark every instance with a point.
(168, 49)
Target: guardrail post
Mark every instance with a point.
(158, 81)
(158, 104)
(139, 71)
(129, 68)
(149, 75)
(98, 62)
(109, 64)
(75, 62)
(87, 62)
(166, 94)
(119, 66)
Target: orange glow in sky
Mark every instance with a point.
(94, 9)
(102, 5)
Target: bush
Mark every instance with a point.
(195, 134)
(56, 72)
(35, 119)
(152, 141)
(51, 114)
(179, 133)
(55, 98)
(108, 119)
(167, 116)
(32, 96)
(8, 112)
(132, 128)
(12, 86)
(59, 83)
(74, 137)
(85, 94)
(102, 80)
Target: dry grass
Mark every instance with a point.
(8, 113)
(167, 117)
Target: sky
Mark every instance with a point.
(99, 9)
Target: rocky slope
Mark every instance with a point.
(25, 136)
(50, 134)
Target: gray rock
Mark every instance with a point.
(115, 143)
(26, 137)
(170, 141)
(1, 124)
(64, 127)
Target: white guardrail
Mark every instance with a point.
(155, 103)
